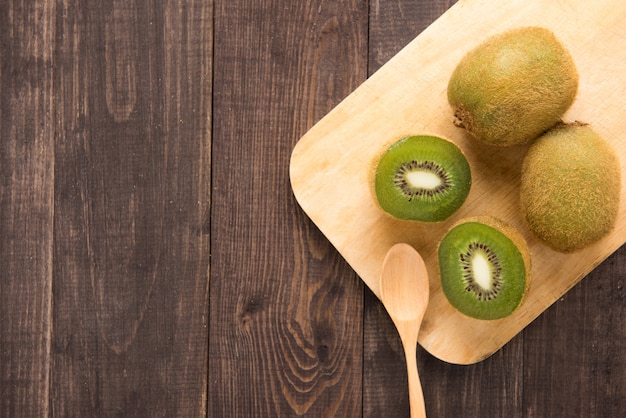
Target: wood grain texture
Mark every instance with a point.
(26, 206)
(285, 332)
(132, 190)
(574, 358)
(116, 198)
(404, 98)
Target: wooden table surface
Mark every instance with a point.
(153, 259)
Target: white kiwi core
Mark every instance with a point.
(481, 268)
(425, 180)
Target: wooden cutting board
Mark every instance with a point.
(331, 165)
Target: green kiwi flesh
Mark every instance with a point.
(513, 86)
(422, 178)
(570, 187)
(484, 266)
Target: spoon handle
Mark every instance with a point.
(416, 396)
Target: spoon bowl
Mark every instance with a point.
(404, 291)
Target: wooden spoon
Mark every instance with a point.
(404, 292)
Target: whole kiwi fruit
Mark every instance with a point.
(484, 266)
(422, 178)
(513, 86)
(570, 187)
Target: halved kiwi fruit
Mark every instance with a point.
(484, 267)
(513, 86)
(422, 178)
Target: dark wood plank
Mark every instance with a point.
(490, 388)
(574, 354)
(285, 331)
(106, 226)
(26, 205)
(394, 23)
(132, 190)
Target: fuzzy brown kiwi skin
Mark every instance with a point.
(502, 104)
(570, 187)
